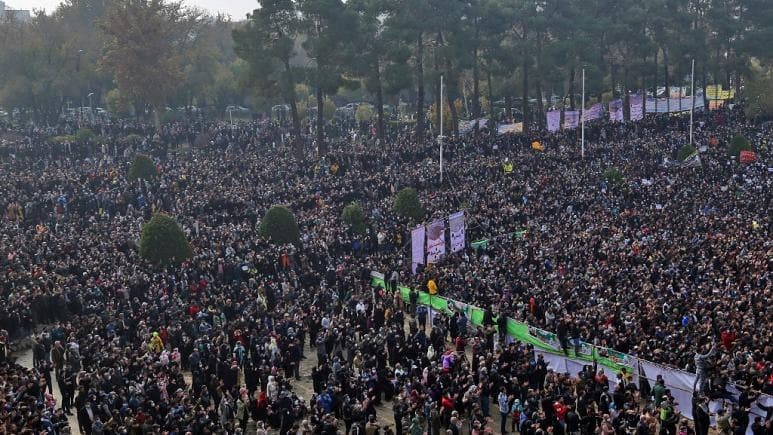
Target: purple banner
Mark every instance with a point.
(595, 111)
(554, 120)
(616, 110)
(636, 103)
(571, 119)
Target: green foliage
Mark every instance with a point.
(407, 204)
(279, 226)
(62, 139)
(328, 108)
(364, 113)
(142, 168)
(684, 152)
(758, 93)
(84, 135)
(354, 217)
(738, 144)
(163, 242)
(117, 103)
(613, 176)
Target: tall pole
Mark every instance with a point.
(692, 97)
(582, 118)
(440, 135)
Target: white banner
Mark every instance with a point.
(456, 223)
(417, 247)
(671, 105)
(436, 241)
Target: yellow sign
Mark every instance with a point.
(536, 145)
(508, 168)
(715, 92)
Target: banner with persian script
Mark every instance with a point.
(616, 110)
(594, 112)
(674, 105)
(636, 105)
(417, 247)
(554, 120)
(510, 128)
(571, 119)
(436, 241)
(456, 224)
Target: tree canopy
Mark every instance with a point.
(501, 58)
(162, 241)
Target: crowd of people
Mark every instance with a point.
(670, 264)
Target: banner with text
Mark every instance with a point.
(594, 112)
(456, 223)
(554, 120)
(636, 105)
(417, 247)
(616, 110)
(571, 119)
(673, 105)
(436, 241)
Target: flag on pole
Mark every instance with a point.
(594, 112)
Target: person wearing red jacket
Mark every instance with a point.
(728, 338)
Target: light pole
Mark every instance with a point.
(440, 134)
(91, 106)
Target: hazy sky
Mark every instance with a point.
(236, 8)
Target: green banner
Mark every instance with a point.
(540, 339)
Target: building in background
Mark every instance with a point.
(13, 14)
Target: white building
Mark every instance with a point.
(13, 14)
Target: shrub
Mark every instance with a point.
(84, 135)
(279, 226)
(354, 217)
(162, 241)
(738, 144)
(142, 168)
(363, 113)
(61, 139)
(684, 152)
(407, 204)
(613, 176)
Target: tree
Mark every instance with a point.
(354, 217)
(163, 242)
(364, 113)
(142, 168)
(407, 204)
(737, 144)
(267, 44)
(330, 28)
(84, 135)
(279, 226)
(613, 176)
(146, 43)
(117, 103)
(685, 152)
(758, 94)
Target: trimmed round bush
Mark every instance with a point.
(354, 217)
(163, 242)
(142, 168)
(279, 226)
(407, 204)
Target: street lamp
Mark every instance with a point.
(91, 107)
